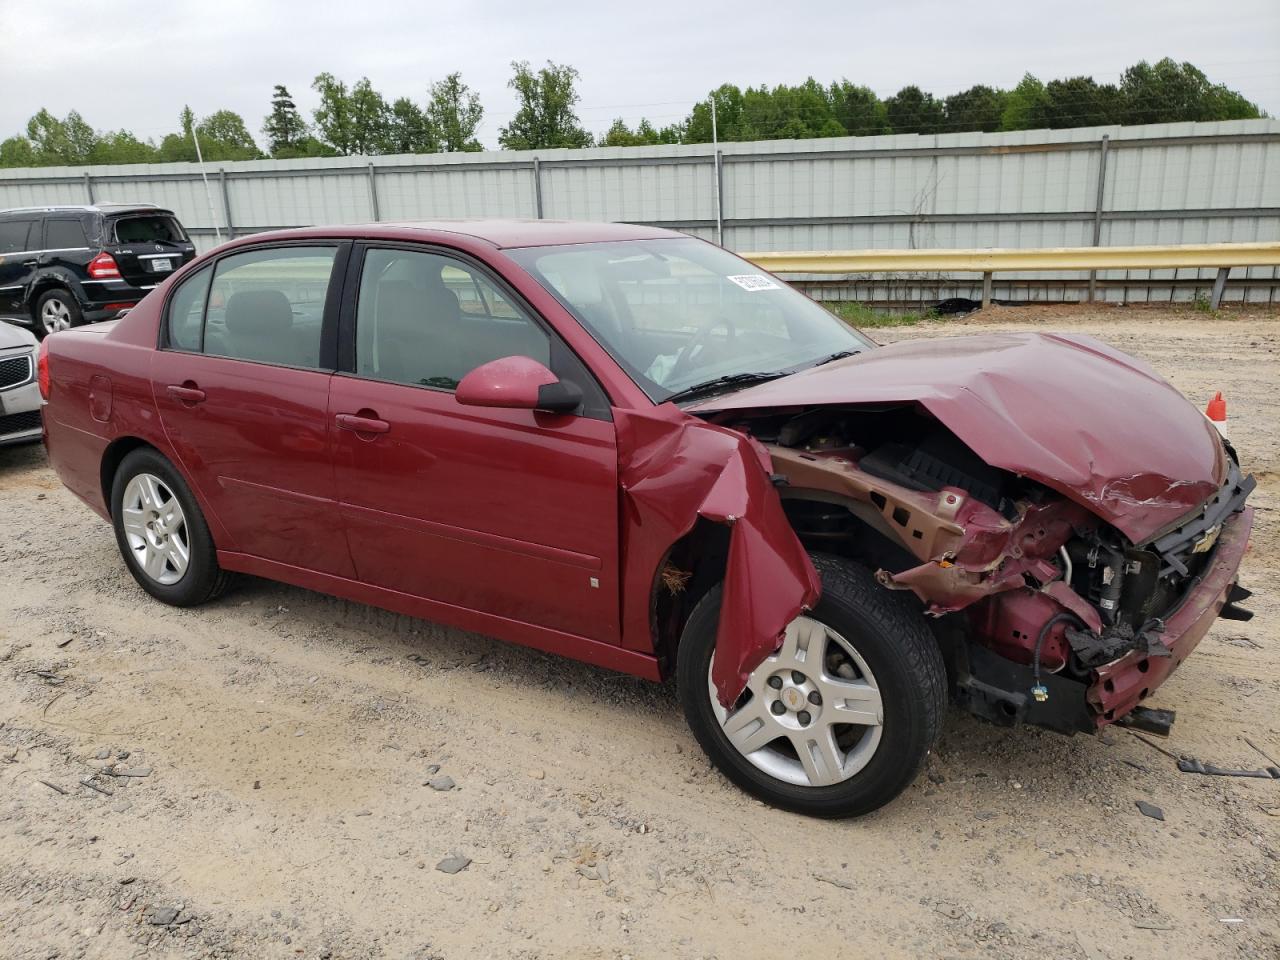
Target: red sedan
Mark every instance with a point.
(631, 447)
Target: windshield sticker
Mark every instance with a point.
(751, 282)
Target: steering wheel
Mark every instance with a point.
(698, 340)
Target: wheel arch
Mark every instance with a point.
(113, 456)
(698, 560)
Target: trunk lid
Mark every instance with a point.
(1068, 411)
(147, 246)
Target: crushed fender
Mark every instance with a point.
(673, 470)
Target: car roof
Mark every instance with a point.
(498, 232)
(110, 208)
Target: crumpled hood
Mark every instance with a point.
(1100, 427)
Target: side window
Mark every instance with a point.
(64, 234)
(186, 312)
(268, 305)
(15, 236)
(429, 320)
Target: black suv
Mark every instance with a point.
(64, 266)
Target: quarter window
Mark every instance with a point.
(64, 235)
(186, 312)
(428, 320)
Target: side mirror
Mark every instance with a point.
(519, 383)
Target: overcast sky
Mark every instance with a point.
(134, 66)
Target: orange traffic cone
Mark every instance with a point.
(1216, 411)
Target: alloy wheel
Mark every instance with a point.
(155, 529)
(811, 714)
(55, 315)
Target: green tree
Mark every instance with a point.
(911, 110)
(284, 127)
(1078, 102)
(455, 113)
(410, 131)
(333, 116)
(620, 135)
(66, 141)
(224, 136)
(546, 117)
(729, 101)
(370, 118)
(121, 146)
(1167, 92)
(978, 108)
(1023, 105)
(18, 152)
(857, 109)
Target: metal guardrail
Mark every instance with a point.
(1224, 256)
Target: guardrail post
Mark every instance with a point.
(1219, 285)
(1103, 145)
(373, 194)
(986, 290)
(226, 203)
(537, 187)
(88, 187)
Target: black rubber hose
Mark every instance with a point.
(1040, 637)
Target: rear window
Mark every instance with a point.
(14, 236)
(64, 235)
(148, 229)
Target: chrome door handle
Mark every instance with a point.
(349, 421)
(186, 394)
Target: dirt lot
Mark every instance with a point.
(289, 739)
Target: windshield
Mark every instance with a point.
(148, 229)
(679, 313)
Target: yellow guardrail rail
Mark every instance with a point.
(1224, 256)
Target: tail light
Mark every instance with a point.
(42, 368)
(103, 267)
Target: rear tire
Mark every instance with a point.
(876, 659)
(56, 310)
(161, 533)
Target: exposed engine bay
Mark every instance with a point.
(1007, 565)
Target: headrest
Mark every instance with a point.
(259, 312)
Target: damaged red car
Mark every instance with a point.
(631, 447)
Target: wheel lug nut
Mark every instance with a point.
(815, 698)
(777, 708)
(798, 677)
(804, 718)
(775, 682)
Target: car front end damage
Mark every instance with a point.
(1067, 573)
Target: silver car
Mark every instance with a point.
(19, 392)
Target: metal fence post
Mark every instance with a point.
(537, 188)
(986, 290)
(719, 161)
(88, 187)
(1103, 144)
(226, 203)
(373, 194)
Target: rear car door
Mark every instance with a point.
(508, 512)
(147, 246)
(19, 253)
(242, 383)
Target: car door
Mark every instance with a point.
(19, 240)
(507, 512)
(242, 383)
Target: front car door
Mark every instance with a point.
(513, 513)
(19, 253)
(242, 383)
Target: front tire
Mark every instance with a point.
(56, 310)
(839, 720)
(161, 532)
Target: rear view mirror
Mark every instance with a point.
(520, 383)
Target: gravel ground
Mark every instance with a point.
(303, 769)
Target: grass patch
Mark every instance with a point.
(860, 315)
